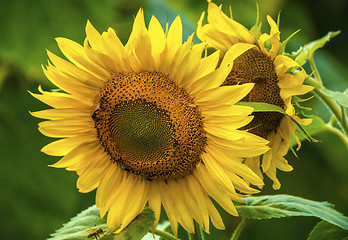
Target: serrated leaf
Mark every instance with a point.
(306, 52)
(88, 225)
(341, 98)
(326, 231)
(85, 223)
(279, 206)
(265, 107)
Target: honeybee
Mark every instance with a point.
(96, 233)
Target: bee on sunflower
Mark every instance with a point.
(277, 79)
(149, 123)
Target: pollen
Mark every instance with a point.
(255, 67)
(149, 126)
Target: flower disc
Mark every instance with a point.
(149, 125)
(255, 67)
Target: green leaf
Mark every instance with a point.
(307, 51)
(88, 224)
(139, 227)
(326, 231)
(265, 107)
(341, 98)
(85, 223)
(279, 206)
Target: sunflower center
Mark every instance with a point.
(149, 126)
(255, 67)
(140, 128)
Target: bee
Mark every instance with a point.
(173, 150)
(96, 233)
(95, 116)
(102, 104)
(145, 176)
(124, 167)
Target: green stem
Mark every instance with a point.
(165, 235)
(316, 73)
(344, 118)
(340, 114)
(330, 103)
(198, 235)
(239, 229)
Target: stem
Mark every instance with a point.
(165, 235)
(330, 103)
(344, 119)
(239, 229)
(340, 114)
(316, 73)
(198, 235)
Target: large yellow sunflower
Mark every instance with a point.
(275, 83)
(148, 123)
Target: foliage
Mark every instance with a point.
(326, 231)
(279, 206)
(88, 224)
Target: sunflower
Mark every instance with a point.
(277, 78)
(148, 123)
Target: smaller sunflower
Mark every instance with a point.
(277, 79)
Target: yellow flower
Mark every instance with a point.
(267, 67)
(148, 123)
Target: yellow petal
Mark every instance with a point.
(184, 213)
(155, 202)
(90, 176)
(226, 25)
(60, 113)
(70, 84)
(64, 146)
(77, 156)
(136, 203)
(218, 173)
(120, 204)
(229, 123)
(209, 81)
(231, 165)
(226, 94)
(76, 54)
(174, 37)
(208, 64)
(169, 207)
(214, 190)
(158, 39)
(61, 100)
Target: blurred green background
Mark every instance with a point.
(35, 200)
